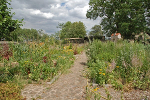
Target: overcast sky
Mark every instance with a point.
(46, 14)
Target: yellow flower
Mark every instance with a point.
(109, 65)
(103, 73)
(117, 66)
(100, 69)
(95, 89)
(30, 75)
(100, 72)
(41, 43)
(26, 62)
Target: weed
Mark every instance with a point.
(127, 65)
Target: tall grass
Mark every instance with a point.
(123, 64)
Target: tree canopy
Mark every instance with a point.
(72, 30)
(7, 24)
(96, 31)
(22, 35)
(124, 16)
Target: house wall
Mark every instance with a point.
(115, 38)
(119, 36)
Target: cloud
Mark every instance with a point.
(46, 15)
(38, 12)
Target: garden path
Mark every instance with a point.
(69, 86)
(72, 86)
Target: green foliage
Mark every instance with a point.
(25, 35)
(37, 61)
(123, 63)
(96, 31)
(7, 25)
(72, 30)
(9, 91)
(126, 17)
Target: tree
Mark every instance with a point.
(72, 30)
(65, 30)
(96, 31)
(7, 25)
(29, 35)
(125, 16)
(147, 10)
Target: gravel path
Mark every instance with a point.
(70, 86)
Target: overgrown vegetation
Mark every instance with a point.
(122, 64)
(22, 63)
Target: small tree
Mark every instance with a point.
(72, 30)
(96, 31)
(7, 25)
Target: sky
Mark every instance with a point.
(47, 14)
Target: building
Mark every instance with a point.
(115, 36)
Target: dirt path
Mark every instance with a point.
(70, 86)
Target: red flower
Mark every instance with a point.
(45, 61)
(44, 57)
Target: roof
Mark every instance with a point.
(116, 34)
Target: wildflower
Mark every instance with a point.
(100, 72)
(45, 61)
(26, 62)
(103, 73)
(100, 69)
(95, 89)
(105, 67)
(44, 57)
(109, 65)
(117, 66)
(41, 43)
(30, 75)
